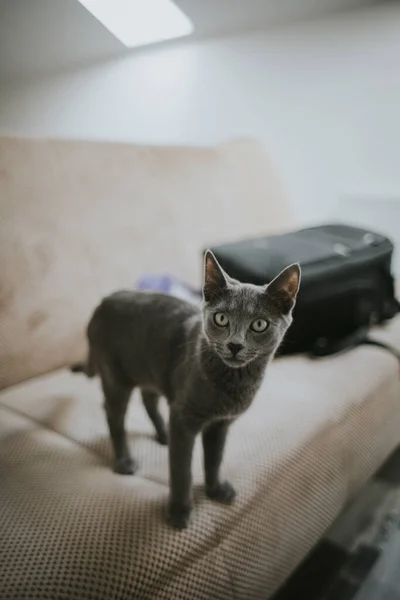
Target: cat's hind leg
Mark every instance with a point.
(151, 403)
(116, 400)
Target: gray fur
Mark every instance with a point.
(171, 348)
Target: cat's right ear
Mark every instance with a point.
(215, 279)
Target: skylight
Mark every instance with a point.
(140, 22)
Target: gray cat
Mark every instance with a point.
(208, 363)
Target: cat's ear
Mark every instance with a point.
(215, 278)
(284, 288)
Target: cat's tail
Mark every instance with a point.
(88, 368)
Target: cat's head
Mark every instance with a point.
(242, 321)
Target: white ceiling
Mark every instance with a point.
(42, 37)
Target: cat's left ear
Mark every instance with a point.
(284, 288)
(215, 278)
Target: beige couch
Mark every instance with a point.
(77, 221)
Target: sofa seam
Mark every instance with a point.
(69, 439)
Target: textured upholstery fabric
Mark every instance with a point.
(71, 529)
(79, 220)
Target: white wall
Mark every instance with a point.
(323, 96)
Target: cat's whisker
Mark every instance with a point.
(188, 358)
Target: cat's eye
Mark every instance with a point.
(221, 319)
(259, 325)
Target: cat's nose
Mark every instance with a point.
(235, 348)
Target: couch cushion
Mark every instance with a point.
(79, 220)
(70, 528)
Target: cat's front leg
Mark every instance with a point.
(181, 442)
(214, 437)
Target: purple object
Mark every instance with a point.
(166, 284)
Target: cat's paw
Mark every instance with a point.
(222, 492)
(126, 465)
(179, 516)
(162, 438)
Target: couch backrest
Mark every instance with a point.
(81, 219)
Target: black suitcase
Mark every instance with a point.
(346, 283)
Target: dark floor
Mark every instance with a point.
(359, 559)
